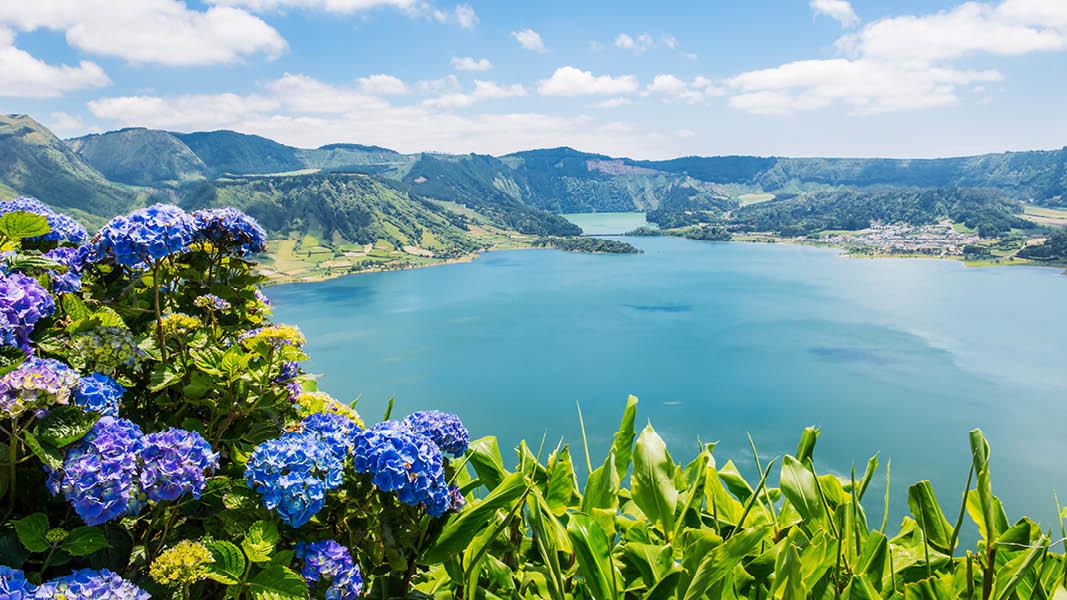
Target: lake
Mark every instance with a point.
(900, 357)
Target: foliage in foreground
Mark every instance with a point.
(160, 439)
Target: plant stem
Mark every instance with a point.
(159, 317)
(12, 460)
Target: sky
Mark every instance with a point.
(648, 80)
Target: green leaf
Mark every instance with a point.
(163, 377)
(562, 483)
(462, 527)
(722, 560)
(623, 441)
(799, 486)
(983, 489)
(923, 504)
(229, 563)
(806, 446)
(20, 224)
(1009, 577)
(277, 583)
(602, 487)
(486, 461)
(31, 531)
(260, 540)
(83, 541)
(47, 454)
(652, 484)
(65, 425)
(592, 552)
(74, 307)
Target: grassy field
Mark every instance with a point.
(746, 199)
(1046, 216)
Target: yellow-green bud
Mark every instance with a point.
(182, 564)
(55, 535)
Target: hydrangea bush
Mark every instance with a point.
(160, 438)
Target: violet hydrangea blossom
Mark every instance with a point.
(175, 462)
(23, 302)
(231, 230)
(36, 383)
(98, 477)
(90, 584)
(71, 279)
(327, 560)
(63, 228)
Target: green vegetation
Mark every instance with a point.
(1054, 248)
(138, 156)
(588, 245)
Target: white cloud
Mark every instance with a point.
(382, 85)
(571, 81)
(149, 31)
(838, 10)
(22, 75)
(906, 62)
(673, 87)
(637, 45)
(466, 16)
(334, 6)
(483, 90)
(468, 63)
(615, 102)
(277, 112)
(529, 39)
(307, 95)
(444, 85)
(66, 125)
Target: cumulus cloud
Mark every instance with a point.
(334, 6)
(838, 10)
(24, 76)
(281, 111)
(468, 63)
(637, 45)
(906, 62)
(149, 31)
(572, 81)
(483, 90)
(529, 39)
(615, 102)
(671, 86)
(466, 16)
(382, 85)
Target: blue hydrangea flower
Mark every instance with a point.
(230, 229)
(99, 473)
(13, 585)
(100, 393)
(143, 236)
(292, 473)
(327, 560)
(175, 462)
(445, 429)
(458, 501)
(63, 228)
(402, 461)
(23, 302)
(212, 302)
(289, 372)
(336, 430)
(71, 279)
(35, 384)
(90, 584)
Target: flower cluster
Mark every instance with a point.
(23, 302)
(336, 430)
(69, 280)
(103, 349)
(99, 393)
(212, 302)
(35, 384)
(63, 228)
(89, 584)
(309, 403)
(274, 335)
(181, 324)
(402, 461)
(144, 236)
(327, 560)
(13, 585)
(445, 429)
(182, 564)
(175, 462)
(292, 473)
(98, 475)
(230, 229)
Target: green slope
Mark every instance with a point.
(140, 156)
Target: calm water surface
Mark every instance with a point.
(901, 357)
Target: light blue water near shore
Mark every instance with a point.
(901, 357)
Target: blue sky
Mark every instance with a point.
(903, 78)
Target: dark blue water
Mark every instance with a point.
(899, 357)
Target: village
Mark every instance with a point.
(941, 239)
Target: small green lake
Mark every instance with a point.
(899, 357)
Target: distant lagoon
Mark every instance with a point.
(898, 356)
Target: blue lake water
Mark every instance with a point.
(899, 357)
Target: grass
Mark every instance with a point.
(1046, 216)
(755, 198)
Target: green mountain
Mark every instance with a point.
(140, 156)
(34, 162)
(240, 153)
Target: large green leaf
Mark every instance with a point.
(652, 484)
(935, 526)
(260, 540)
(65, 425)
(592, 551)
(487, 462)
(800, 488)
(789, 578)
(19, 224)
(1011, 574)
(229, 563)
(562, 482)
(83, 541)
(31, 531)
(602, 487)
(715, 566)
(983, 489)
(623, 441)
(277, 583)
(462, 527)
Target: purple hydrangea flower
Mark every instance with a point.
(99, 473)
(230, 229)
(289, 372)
(445, 429)
(336, 430)
(23, 302)
(402, 461)
(327, 560)
(35, 384)
(292, 473)
(71, 279)
(100, 393)
(175, 462)
(90, 584)
(212, 302)
(143, 236)
(63, 228)
(13, 585)
(458, 501)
